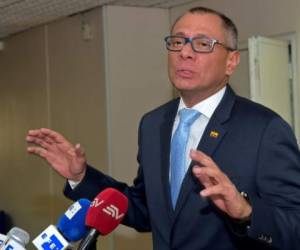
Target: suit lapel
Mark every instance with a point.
(212, 136)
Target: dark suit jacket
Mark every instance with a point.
(254, 147)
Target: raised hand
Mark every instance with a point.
(219, 188)
(66, 159)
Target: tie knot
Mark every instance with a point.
(188, 116)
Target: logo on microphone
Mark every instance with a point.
(50, 239)
(51, 243)
(113, 211)
(96, 202)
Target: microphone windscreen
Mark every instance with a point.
(19, 235)
(72, 223)
(107, 211)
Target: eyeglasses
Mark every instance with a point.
(199, 44)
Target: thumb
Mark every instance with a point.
(79, 150)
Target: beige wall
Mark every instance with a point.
(93, 91)
(256, 17)
(136, 66)
(136, 82)
(23, 104)
(77, 90)
(50, 77)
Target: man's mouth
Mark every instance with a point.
(184, 73)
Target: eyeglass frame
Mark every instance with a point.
(212, 41)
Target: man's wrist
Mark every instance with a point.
(240, 226)
(77, 179)
(79, 176)
(247, 209)
(245, 218)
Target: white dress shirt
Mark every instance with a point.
(206, 108)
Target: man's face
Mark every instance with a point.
(200, 74)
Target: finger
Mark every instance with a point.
(29, 138)
(205, 180)
(79, 150)
(202, 159)
(41, 142)
(226, 190)
(212, 191)
(38, 151)
(49, 140)
(47, 134)
(37, 133)
(32, 136)
(34, 132)
(213, 174)
(53, 135)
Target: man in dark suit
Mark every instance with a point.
(216, 171)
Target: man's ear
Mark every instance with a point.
(233, 61)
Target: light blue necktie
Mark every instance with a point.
(178, 150)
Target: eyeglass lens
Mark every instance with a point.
(198, 44)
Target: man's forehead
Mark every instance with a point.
(198, 24)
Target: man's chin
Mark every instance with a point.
(185, 87)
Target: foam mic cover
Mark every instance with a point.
(19, 235)
(105, 213)
(72, 223)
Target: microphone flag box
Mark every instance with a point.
(10, 244)
(50, 239)
(2, 239)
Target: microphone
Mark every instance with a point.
(72, 222)
(104, 215)
(70, 228)
(3, 238)
(16, 239)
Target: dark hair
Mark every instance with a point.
(228, 25)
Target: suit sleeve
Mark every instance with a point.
(95, 181)
(276, 205)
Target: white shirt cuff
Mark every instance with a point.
(73, 184)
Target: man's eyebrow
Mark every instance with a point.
(202, 36)
(178, 34)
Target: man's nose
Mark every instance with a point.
(187, 51)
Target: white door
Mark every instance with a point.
(270, 75)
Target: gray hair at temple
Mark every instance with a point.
(231, 32)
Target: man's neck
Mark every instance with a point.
(191, 98)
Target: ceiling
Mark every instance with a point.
(19, 15)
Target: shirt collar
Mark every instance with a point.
(207, 106)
